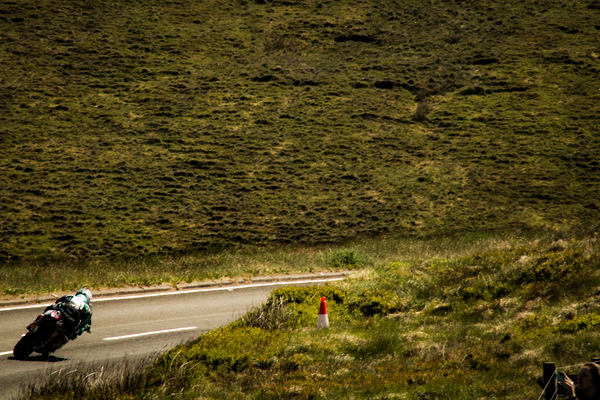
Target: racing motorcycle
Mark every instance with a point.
(48, 333)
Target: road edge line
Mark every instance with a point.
(181, 289)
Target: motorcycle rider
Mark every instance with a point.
(77, 310)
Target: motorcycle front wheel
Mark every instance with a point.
(24, 347)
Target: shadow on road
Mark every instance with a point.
(42, 358)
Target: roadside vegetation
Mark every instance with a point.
(241, 263)
(476, 325)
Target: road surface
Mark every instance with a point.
(127, 327)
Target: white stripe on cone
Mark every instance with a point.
(323, 321)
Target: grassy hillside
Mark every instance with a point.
(474, 326)
(130, 128)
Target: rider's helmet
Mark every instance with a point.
(85, 293)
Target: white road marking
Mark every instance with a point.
(5, 353)
(150, 333)
(228, 288)
(25, 307)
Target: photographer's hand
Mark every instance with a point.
(569, 385)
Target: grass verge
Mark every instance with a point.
(475, 324)
(40, 277)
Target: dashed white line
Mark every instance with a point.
(189, 328)
(150, 333)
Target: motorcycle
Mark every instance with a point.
(45, 335)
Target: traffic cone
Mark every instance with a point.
(323, 321)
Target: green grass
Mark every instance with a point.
(476, 325)
(245, 262)
(136, 129)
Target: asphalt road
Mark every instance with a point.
(127, 327)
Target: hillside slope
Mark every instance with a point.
(137, 127)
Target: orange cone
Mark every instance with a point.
(323, 321)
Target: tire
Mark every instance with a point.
(33, 338)
(24, 347)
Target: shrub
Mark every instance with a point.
(531, 322)
(375, 302)
(295, 307)
(579, 324)
(345, 258)
(489, 291)
(299, 295)
(276, 314)
(470, 293)
(557, 266)
(224, 350)
(528, 328)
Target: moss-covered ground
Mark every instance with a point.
(136, 128)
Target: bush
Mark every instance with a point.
(345, 258)
(579, 324)
(307, 294)
(276, 314)
(489, 291)
(556, 266)
(295, 307)
(375, 302)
